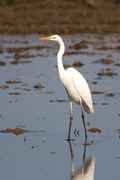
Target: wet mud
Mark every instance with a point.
(59, 17)
(94, 130)
(17, 131)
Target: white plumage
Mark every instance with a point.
(75, 84)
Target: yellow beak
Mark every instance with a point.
(45, 38)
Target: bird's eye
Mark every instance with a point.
(53, 37)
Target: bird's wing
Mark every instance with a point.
(82, 88)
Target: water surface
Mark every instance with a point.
(43, 152)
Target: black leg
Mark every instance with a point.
(72, 157)
(84, 124)
(71, 118)
(70, 128)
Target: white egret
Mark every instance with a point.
(75, 84)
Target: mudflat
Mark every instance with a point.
(52, 16)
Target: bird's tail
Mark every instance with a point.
(88, 109)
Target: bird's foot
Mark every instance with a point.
(69, 139)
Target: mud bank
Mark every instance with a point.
(65, 17)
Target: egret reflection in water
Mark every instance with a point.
(86, 172)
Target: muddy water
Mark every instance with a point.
(34, 112)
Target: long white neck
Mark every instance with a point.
(59, 58)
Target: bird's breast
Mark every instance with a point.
(71, 91)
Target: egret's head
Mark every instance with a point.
(53, 38)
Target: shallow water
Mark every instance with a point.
(43, 152)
